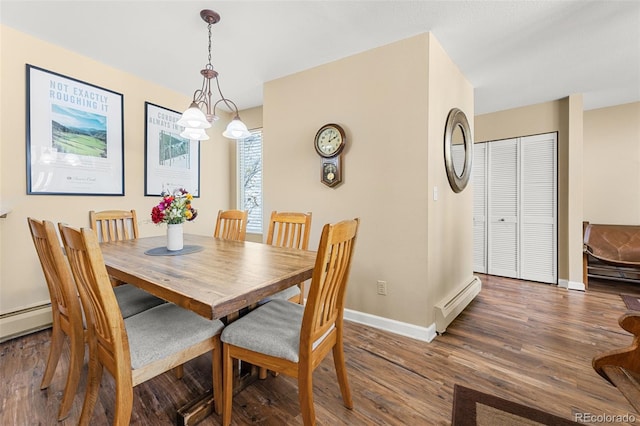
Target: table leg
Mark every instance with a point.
(197, 410)
(244, 374)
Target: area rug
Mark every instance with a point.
(632, 301)
(471, 408)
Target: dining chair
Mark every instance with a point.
(114, 225)
(66, 310)
(291, 230)
(231, 225)
(293, 339)
(121, 225)
(137, 348)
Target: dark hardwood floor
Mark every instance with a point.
(528, 342)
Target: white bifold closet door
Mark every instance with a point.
(538, 209)
(479, 182)
(515, 208)
(502, 205)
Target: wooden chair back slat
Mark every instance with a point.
(231, 225)
(289, 229)
(114, 225)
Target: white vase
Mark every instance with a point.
(175, 240)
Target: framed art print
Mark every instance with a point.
(75, 136)
(171, 161)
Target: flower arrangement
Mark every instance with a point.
(174, 208)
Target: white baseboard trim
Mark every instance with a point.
(25, 321)
(425, 334)
(571, 285)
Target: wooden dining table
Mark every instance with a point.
(221, 278)
(212, 277)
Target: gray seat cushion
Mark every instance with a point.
(285, 294)
(164, 330)
(133, 300)
(272, 329)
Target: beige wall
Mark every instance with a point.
(21, 281)
(450, 218)
(612, 165)
(383, 99)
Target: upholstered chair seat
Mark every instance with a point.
(133, 300)
(289, 293)
(165, 330)
(272, 329)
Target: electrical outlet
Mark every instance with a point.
(382, 288)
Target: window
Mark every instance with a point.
(250, 179)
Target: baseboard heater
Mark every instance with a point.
(450, 307)
(24, 321)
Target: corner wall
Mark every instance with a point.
(394, 126)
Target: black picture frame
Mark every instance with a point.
(74, 136)
(170, 161)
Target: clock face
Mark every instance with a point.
(329, 140)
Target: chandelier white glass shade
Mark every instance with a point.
(194, 120)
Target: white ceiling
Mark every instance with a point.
(514, 53)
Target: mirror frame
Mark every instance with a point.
(457, 118)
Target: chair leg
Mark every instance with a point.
(341, 372)
(76, 360)
(216, 359)
(55, 349)
(263, 373)
(94, 377)
(305, 394)
(124, 398)
(301, 300)
(227, 379)
(179, 371)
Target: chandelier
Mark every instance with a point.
(194, 120)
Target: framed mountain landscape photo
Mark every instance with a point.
(75, 136)
(171, 161)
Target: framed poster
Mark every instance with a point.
(170, 161)
(75, 136)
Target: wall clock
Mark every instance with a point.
(329, 144)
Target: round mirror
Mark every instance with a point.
(458, 149)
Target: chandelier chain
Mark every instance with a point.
(209, 26)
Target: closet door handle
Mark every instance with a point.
(501, 220)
